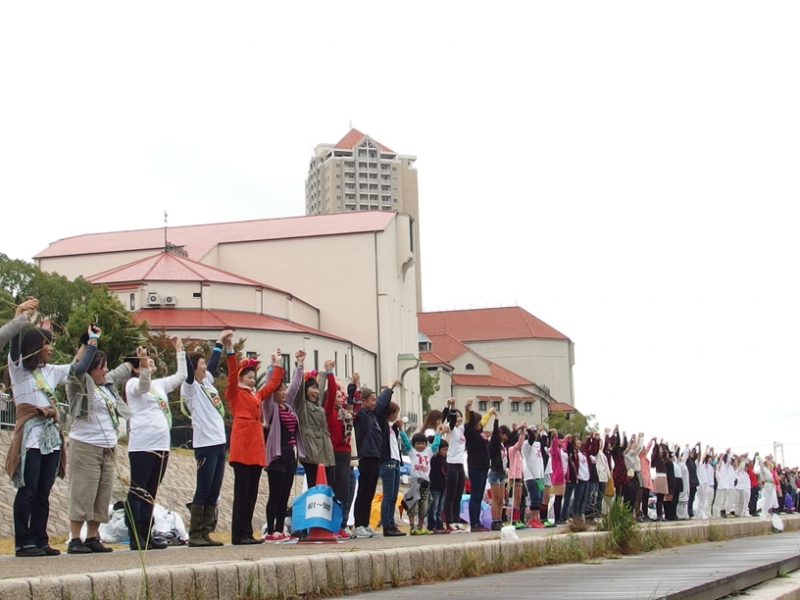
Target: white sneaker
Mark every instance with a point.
(363, 532)
(372, 532)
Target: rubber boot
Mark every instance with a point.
(195, 526)
(207, 520)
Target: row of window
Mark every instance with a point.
(483, 406)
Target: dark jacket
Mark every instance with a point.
(372, 428)
(476, 445)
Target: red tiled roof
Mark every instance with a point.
(484, 398)
(195, 318)
(497, 398)
(446, 346)
(198, 240)
(432, 359)
(562, 406)
(354, 136)
(169, 267)
(483, 324)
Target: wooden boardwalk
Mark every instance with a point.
(698, 572)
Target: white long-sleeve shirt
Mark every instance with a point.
(149, 425)
(534, 464)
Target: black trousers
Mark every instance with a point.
(280, 488)
(692, 494)
(32, 503)
(147, 470)
(341, 482)
(454, 489)
(753, 507)
(368, 470)
(246, 479)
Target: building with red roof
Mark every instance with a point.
(502, 357)
(341, 287)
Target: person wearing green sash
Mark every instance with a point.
(36, 454)
(201, 401)
(95, 409)
(149, 441)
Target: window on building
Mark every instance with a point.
(336, 364)
(338, 165)
(316, 360)
(394, 190)
(394, 168)
(482, 405)
(133, 301)
(338, 197)
(338, 176)
(338, 186)
(528, 407)
(470, 367)
(496, 406)
(514, 407)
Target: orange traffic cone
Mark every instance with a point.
(320, 535)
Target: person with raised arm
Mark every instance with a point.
(477, 462)
(21, 320)
(95, 408)
(149, 440)
(36, 455)
(456, 455)
(313, 422)
(201, 402)
(372, 440)
(247, 448)
(340, 426)
(283, 444)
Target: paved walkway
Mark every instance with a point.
(695, 571)
(294, 570)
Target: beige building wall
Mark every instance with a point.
(317, 348)
(546, 362)
(346, 300)
(365, 178)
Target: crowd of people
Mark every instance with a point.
(531, 476)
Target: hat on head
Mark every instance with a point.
(366, 392)
(248, 363)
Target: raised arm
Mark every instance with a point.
(385, 397)
(173, 381)
(231, 388)
(21, 320)
(275, 381)
(331, 387)
(437, 439)
(448, 415)
(216, 353)
(487, 417)
(297, 378)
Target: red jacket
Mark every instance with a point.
(335, 426)
(247, 433)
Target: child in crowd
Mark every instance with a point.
(534, 473)
(498, 470)
(416, 498)
(438, 486)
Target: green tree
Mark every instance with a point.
(121, 334)
(428, 386)
(570, 423)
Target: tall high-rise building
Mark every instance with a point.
(360, 173)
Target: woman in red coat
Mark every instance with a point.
(247, 448)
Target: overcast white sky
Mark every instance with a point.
(627, 172)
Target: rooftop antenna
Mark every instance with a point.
(165, 231)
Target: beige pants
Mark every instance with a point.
(91, 481)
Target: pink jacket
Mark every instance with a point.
(645, 462)
(557, 476)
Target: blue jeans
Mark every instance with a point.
(565, 507)
(535, 495)
(477, 483)
(435, 510)
(390, 479)
(579, 502)
(210, 470)
(32, 503)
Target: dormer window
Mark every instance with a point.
(470, 367)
